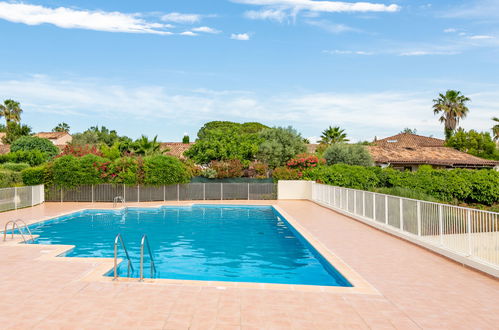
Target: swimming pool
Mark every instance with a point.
(198, 242)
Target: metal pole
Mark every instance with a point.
(248, 190)
(468, 218)
(15, 198)
(386, 209)
(142, 261)
(124, 192)
(221, 191)
(401, 214)
(178, 192)
(93, 199)
(115, 260)
(419, 217)
(441, 224)
(164, 193)
(364, 204)
(61, 195)
(354, 202)
(374, 206)
(204, 191)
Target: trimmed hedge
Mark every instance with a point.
(16, 167)
(31, 143)
(33, 157)
(342, 175)
(164, 170)
(10, 178)
(34, 175)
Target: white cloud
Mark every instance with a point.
(188, 33)
(363, 115)
(481, 37)
(347, 52)
(450, 30)
(427, 52)
(267, 14)
(331, 27)
(324, 6)
(240, 36)
(79, 19)
(181, 18)
(206, 29)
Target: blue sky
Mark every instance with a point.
(166, 67)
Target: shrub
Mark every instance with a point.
(161, 169)
(342, 175)
(209, 173)
(123, 170)
(279, 146)
(31, 143)
(284, 173)
(80, 150)
(408, 193)
(34, 175)
(10, 178)
(228, 169)
(33, 158)
(69, 171)
(257, 170)
(304, 161)
(16, 167)
(350, 154)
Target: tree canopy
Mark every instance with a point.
(333, 135)
(476, 143)
(96, 135)
(279, 145)
(451, 107)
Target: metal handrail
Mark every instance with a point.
(25, 226)
(130, 266)
(145, 241)
(118, 199)
(14, 226)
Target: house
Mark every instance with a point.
(176, 149)
(407, 151)
(57, 138)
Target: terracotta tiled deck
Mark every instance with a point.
(417, 289)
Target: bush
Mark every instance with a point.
(279, 146)
(342, 175)
(304, 161)
(81, 150)
(31, 143)
(34, 175)
(407, 193)
(284, 173)
(209, 173)
(228, 169)
(161, 169)
(350, 154)
(33, 158)
(69, 171)
(9, 178)
(257, 170)
(16, 167)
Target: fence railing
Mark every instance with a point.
(469, 233)
(176, 192)
(19, 197)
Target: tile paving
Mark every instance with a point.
(417, 289)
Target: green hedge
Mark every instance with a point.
(458, 185)
(34, 157)
(32, 143)
(10, 178)
(70, 171)
(34, 175)
(164, 170)
(16, 167)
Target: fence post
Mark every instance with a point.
(364, 204)
(354, 202)
(124, 193)
(32, 195)
(221, 191)
(334, 196)
(138, 193)
(346, 195)
(15, 200)
(418, 212)
(468, 220)
(93, 198)
(164, 193)
(178, 192)
(204, 191)
(62, 199)
(441, 224)
(248, 190)
(401, 214)
(386, 209)
(374, 206)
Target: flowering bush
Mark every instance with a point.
(304, 161)
(285, 173)
(80, 151)
(228, 169)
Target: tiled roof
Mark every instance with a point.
(409, 140)
(51, 135)
(427, 155)
(177, 149)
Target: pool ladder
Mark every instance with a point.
(144, 243)
(118, 199)
(15, 224)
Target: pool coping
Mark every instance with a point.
(102, 266)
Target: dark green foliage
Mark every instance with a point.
(16, 167)
(32, 143)
(185, 139)
(33, 158)
(279, 145)
(227, 169)
(475, 143)
(407, 193)
(245, 128)
(126, 170)
(285, 173)
(342, 175)
(10, 178)
(34, 175)
(96, 135)
(164, 170)
(70, 171)
(351, 154)
(15, 131)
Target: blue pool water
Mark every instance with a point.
(200, 242)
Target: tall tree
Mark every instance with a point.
(146, 147)
(61, 127)
(451, 107)
(333, 135)
(11, 110)
(495, 129)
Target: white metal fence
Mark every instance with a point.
(468, 233)
(19, 197)
(176, 192)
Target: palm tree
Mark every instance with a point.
(495, 129)
(451, 107)
(145, 147)
(61, 127)
(11, 110)
(333, 135)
